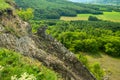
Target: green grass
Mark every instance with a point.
(110, 16)
(108, 63)
(78, 17)
(15, 64)
(3, 5)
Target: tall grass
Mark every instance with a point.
(13, 64)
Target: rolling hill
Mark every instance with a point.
(54, 9)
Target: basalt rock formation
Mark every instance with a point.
(16, 35)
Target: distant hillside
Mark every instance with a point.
(83, 1)
(53, 9)
(108, 2)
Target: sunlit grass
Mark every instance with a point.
(3, 5)
(110, 16)
(110, 64)
(12, 63)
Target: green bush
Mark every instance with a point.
(90, 45)
(26, 14)
(78, 45)
(97, 71)
(93, 18)
(12, 64)
(83, 59)
(112, 46)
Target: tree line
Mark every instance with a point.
(88, 36)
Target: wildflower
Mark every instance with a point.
(24, 76)
(1, 68)
(14, 77)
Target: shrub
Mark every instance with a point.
(97, 71)
(83, 59)
(112, 45)
(90, 45)
(93, 18)
(78, 45)
(26, 14)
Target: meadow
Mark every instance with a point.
(110, 16)
(107, 63)
(110, 64)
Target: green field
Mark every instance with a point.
(111, 16)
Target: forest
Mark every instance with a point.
(88, 36)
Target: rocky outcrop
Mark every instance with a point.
(70, 67)
(16, 35)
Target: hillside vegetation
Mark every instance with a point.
(89, 36)
(3, 5)
(14, 66)
(53, 9)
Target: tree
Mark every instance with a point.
(97, 71)
(90, 45)
(78, 45)
(93, 18)
(26, 14)
(112, 47)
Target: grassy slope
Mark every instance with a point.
(108, 63)
(78, 17)
(3, 5)
(111, 16)
(16, 64)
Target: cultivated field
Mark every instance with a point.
(111, 16)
